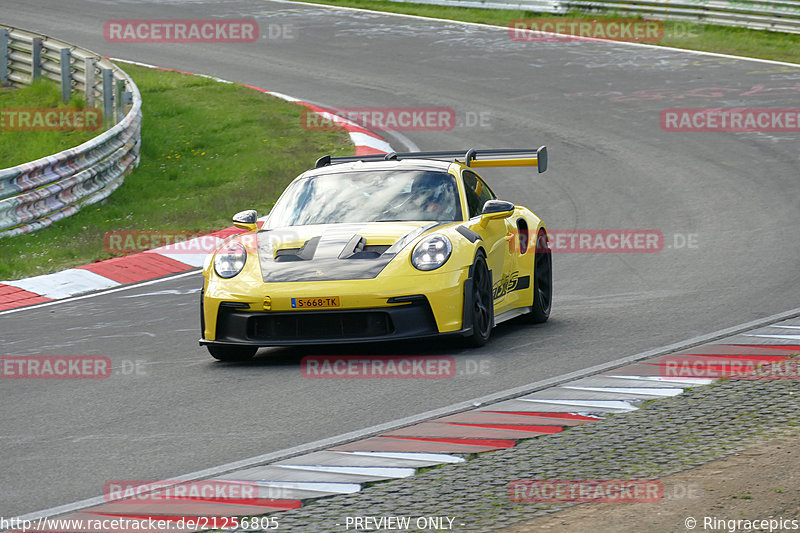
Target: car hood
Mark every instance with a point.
(333, 251)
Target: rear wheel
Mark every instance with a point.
(232, 354)
(481, 303)
(542, 281)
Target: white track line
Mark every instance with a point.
(689, 382)
(628, 390)
(380, 471)
(413, 456)
(583, 405)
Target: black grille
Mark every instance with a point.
(236, 325)
(311, 325)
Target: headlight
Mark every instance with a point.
(230, 260)
(431, 252)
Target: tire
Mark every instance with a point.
(542, 281)
(232, 354)
(482, 304)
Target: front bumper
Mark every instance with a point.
(410, 320)
(371, 310)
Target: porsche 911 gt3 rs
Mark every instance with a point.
(376, 248)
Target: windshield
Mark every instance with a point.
(368, 196)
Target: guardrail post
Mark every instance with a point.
(4, 57)
(89, 71)
(66, 75)
(118, 100)
(36, 58)
(108, 96)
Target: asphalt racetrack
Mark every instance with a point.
(727, 204)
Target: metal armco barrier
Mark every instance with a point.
(777, 15)
(36, 194)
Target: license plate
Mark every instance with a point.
(315, 303)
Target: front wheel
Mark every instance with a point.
(481, 304)
(232, 354)
(542, 281)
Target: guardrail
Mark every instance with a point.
(775, 15)
(36, 194)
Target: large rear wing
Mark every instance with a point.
(505, 157)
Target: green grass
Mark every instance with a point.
(18, 147)
(209, 149)
(720, 39)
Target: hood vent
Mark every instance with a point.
(357, 248)
(305, 253)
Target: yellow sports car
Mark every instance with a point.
(380, 247)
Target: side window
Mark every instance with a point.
(477, 193)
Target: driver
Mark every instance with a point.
(435, 194)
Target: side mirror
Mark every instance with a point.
(496, 210)
(246, 220)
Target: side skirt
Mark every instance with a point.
(511, 313)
